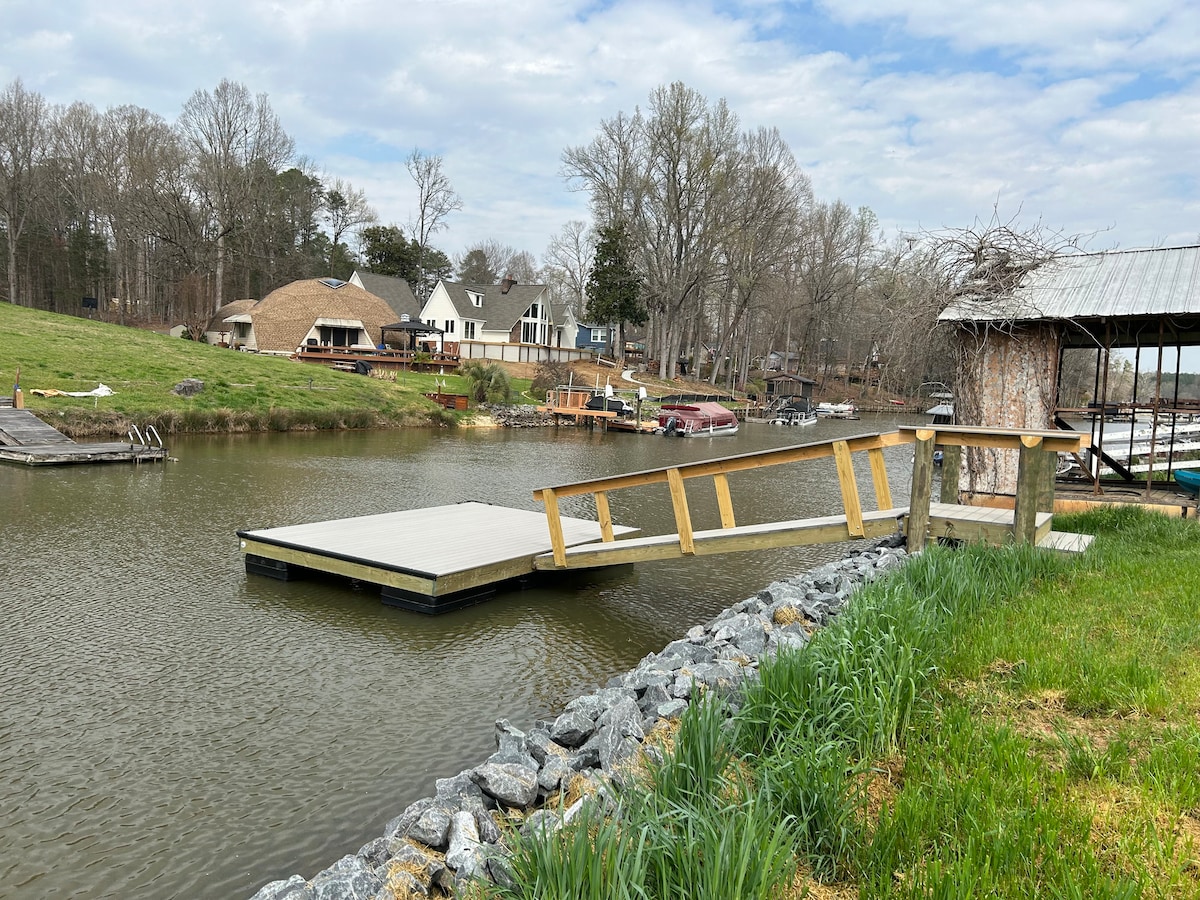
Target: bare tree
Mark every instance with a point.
(567, 261)
(25, 121)
(769, 194)
(236, 142)
(346, 207)
(490, 257)
(435, 201)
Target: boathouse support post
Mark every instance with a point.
(922, 487)
(1030, 486)
(683, 519)
(849, 486)
(558, 543)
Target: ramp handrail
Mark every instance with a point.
(675, 476)
(1035, 487)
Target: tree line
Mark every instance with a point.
(705, 236)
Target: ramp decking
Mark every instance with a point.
(26, 439)
(429, 560)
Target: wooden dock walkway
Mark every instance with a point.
(26, 439)
(447, 557)
(429, 560)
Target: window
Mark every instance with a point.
(449, 326)
(476, 299)
(241, 330)
(338, 337)
(468, 331)
(334, 283)
(599, 336)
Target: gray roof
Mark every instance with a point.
(1115, 284)
(395, 292)
(500, 310)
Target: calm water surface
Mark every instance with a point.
(172, 727)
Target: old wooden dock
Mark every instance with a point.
(26, 439)
(429, 560)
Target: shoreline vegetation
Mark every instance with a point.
(983, 723)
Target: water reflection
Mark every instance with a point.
(170, 722)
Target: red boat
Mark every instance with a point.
(696, 420)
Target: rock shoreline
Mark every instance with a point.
(439, 843)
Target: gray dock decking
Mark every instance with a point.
(429, 560)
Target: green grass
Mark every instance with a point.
(984, 723)
(242, 392)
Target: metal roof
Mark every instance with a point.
(1115, 284)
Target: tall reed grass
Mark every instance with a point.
(999, 784)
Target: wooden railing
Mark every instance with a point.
(718, 469)
(1035, 492)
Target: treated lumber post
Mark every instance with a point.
(922, 487)
(683, 519)
(724, 500)
(951, 463)
(849, 486)
(883, 490)
(1029, 488)
(604, 516)
(557, 542)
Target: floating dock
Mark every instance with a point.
(428, 560)
(26, 439)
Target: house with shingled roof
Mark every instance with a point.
(494, 314)
(396, 292)
(318, 312)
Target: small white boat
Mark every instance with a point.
(845, 410)
(703, 419)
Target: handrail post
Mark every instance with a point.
(922, 486)
(879, 477)
(683, 519)
(849, 486)
(724, 500)
(1029, 488)
(557, 542)
(951, 463)
(604, 516)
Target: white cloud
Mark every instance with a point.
(929, 111)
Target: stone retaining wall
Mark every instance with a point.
(440, 842)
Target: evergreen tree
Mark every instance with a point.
(614, 285)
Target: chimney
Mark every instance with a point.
(507, 283)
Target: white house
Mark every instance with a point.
(505, 313)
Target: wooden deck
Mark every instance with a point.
(447, 557)
(27, 440)
(429, 560)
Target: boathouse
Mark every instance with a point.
(1011, 349)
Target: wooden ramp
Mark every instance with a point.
(1028, 521)
(26, 439)
(429, 560)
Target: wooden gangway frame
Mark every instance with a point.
(686, 541)
(1028, 521)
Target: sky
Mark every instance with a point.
(1082, 116)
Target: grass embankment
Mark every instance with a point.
(986, 723)
(242, 391)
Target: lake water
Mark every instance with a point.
(172, 727)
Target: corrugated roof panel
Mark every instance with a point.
(1095, 285)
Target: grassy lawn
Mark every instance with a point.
(985, 723)
(242, 391)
